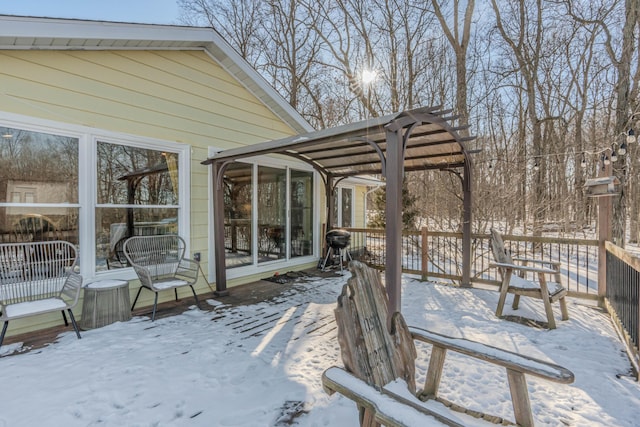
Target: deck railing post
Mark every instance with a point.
(424, 246)
(604, 234)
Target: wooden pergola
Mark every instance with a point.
(419, 139)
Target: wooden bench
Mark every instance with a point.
(38, 278)
(549, 291)
(160, 263)
(379, 373)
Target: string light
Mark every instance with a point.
(623, 149)
(631, 136)
(605, 159)
(607, 155)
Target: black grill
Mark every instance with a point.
(338, 239)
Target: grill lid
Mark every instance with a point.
(338, 239)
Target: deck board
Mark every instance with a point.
(246, 294)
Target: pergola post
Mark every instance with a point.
(330, 201)
(330, 219)
(466, 223)
(218, 229)
(605, 214)
(393, 214)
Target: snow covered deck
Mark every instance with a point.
(256, 358)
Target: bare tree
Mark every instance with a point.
(540, 88)
(458, 35)
(523, 35)
(605, 15)
(238, 21)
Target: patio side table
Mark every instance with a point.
(105, 302)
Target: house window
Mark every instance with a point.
(346, 207)
(43, 168)
(343, 207)
(137, 194)
(301, 213)
(29, 197)
(91, 191)
(238, 196)
(272, 208)
(257, 227)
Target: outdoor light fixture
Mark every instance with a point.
(614, 155)
(631, 136)
(7, 135)
(623, 149)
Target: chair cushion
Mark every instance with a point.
(28, 308)
(169, 284)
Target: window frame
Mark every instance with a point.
(184, 197)
(340, 209)
(259, 267)
(87, 183)
(164, 147)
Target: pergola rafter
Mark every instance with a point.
(419, 139)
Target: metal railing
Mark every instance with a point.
(623, 294)
(438, 255)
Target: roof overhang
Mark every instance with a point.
(33, 33)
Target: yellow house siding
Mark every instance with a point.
(199, 190)
(358, 205)
(175, 99)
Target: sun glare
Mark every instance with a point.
(369, 76)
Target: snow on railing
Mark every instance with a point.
(437, 255)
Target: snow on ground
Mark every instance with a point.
(260, 365)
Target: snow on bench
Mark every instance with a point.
(379, 355)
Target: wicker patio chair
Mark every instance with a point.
(160, 263)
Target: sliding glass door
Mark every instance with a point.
(268, 214)
(301, 213)
(238, 214)
(272, 209)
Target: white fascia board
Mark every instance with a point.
(54, 28)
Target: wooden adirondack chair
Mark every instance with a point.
(379, 355)
(548, 291)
